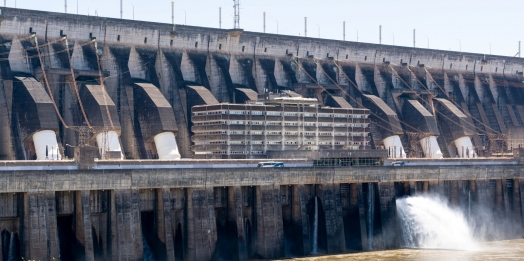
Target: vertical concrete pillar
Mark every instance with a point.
(362, 216)
(454, 195)
(260, 76)
(517, 208)
(6, 141)
(216, 81)
(269, 237)
(426, 187)
(126, 234)
(280, 74)
(83, 223)
(165, 227)
(296, 215)
(499, 207)
(235, 209)
(40, 235)
(520, 189)
(388, 215)
(333, 213)
(304, 222)
(412, 187)
(170, 89)
(202, 233)
(122, 96)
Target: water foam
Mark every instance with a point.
(428, 222)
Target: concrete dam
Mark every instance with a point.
(131, 140)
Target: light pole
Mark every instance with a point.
(121, 11)
(264, 21)
(393, 38)
(305, 26)
(428, 41)
(344, 30)
(185, 17)
(357, 34)
(380, 34)
(318, 30)
(460, 45)
(277, 26)
(133, 11)
(414, 45)
(490, 49)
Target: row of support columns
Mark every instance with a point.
(264, 222)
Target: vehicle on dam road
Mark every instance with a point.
(398, 163)
(270, 164)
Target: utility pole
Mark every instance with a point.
(380, 34)
(77, 7)
(414, 38)
(236, 6)
(264, 21)
(65, 6)
(220, 17)
(344, 30)
(121, 8)
(305, 26)
(519, 50)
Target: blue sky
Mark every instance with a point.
(471, 26)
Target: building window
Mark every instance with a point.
(236, 112)
(324, 125)
(324, 115)
(272, 113)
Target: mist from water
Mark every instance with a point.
(427, 221)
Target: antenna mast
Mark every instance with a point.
(236, 5)
(65, 6)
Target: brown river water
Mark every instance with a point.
(497, 250)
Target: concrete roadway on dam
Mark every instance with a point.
(53, 178)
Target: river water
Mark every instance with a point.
(498, 250)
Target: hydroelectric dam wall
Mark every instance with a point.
(238, 213)
(61, 73)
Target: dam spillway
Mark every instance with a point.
(99, 116)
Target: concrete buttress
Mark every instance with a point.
(202, 234)
(388, 214)
(333, 213)
(83, 223)
(269, 236)
(126, 234)
(236, 209)
(40, 237)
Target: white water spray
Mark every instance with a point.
(428, 222)
(314, 248)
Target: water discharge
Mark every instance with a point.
(428, 222)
